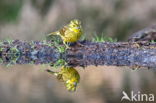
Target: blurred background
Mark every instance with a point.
(33, 19)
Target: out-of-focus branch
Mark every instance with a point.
(147, 34)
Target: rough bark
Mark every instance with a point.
(116, 54)
(83, 53)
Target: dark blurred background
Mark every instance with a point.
(33, 19)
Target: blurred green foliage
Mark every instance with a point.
(9, 10)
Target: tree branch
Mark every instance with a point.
(116, 54)
(83, 53)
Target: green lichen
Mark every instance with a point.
(61, 49)
(9, 41)
(58, 63)
(153, 41)
(56, 41)
(13, 55)
(103, 38)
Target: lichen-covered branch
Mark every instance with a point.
(22, 52)
(116, 54)
(83, 53)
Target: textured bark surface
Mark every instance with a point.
(139, 51)
(81, 54)
(34, 52)
(117, 54)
